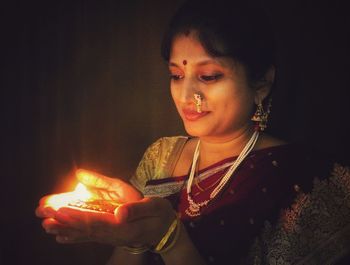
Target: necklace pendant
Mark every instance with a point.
(193, 212)
(193, 209)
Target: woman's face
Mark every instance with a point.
(228, 101)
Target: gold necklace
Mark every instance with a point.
(207, 188)
(197, 183)
(194, 208)
(196, 179)
(201, 189)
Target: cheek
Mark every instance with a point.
(173, 93)
(220, 98)
(175, 96)
(233, 103)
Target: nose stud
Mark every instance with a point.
(198, 102)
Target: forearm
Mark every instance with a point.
(183, 252)
(122, 257)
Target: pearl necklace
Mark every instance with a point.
(194, 208)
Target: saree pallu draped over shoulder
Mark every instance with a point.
(280, 207)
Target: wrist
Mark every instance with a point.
(165, 244)
(183, 251)
(170, 238)
(135, 250)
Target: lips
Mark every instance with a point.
(192, 115)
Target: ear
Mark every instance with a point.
(263, 87)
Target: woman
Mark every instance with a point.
(216, 197)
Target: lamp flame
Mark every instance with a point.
(57, 201)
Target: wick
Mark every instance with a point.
(184, 62)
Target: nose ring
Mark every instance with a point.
(198, 102)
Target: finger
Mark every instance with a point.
(64, 233)
(93, 179)
(82, 226)
(107, 195)
(81, 219)
(71, 240)
(122, 191)
(44, 212)
(147, 207)
(114, 196)
(43, 200)
(70, 236)
(63, 240)
(104, 194)
(52, 226)
(69, 219)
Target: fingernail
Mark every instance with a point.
(61, 215)
(51, 231)
(121, 214)
(62, 239)
(46, 211)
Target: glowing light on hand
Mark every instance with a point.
(57, 201)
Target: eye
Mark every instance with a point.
(176, 77)
(210, 78)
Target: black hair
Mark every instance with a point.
(240, 30)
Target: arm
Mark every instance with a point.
(144, 222)
(183, 252)
(141, 223)
(119, 257)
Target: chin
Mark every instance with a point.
(195, 131)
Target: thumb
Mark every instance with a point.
(121, 214)
(147, 207)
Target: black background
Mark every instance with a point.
(84, 86)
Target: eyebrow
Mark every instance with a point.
(205, 62)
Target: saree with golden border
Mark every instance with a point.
(283, 205)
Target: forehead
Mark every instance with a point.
(188, 48)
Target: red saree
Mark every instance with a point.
(267, 181)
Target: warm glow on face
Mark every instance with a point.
(57, 201)
(227, 99)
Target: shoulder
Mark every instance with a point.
(297, 163)
(162, 146)
(267, 141)
(156, 161)
(171, 140)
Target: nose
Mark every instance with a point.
(187, 91)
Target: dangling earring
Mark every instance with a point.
(260, 116)
(198, 102)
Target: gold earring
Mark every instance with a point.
(198, 102)
(261, 116)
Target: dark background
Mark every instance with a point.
(84, 86)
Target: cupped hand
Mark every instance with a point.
(99, 186)
(137, 223)
(108, 188)
(49, 204)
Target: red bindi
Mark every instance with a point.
(184, 62)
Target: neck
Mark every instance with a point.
(215, 149)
